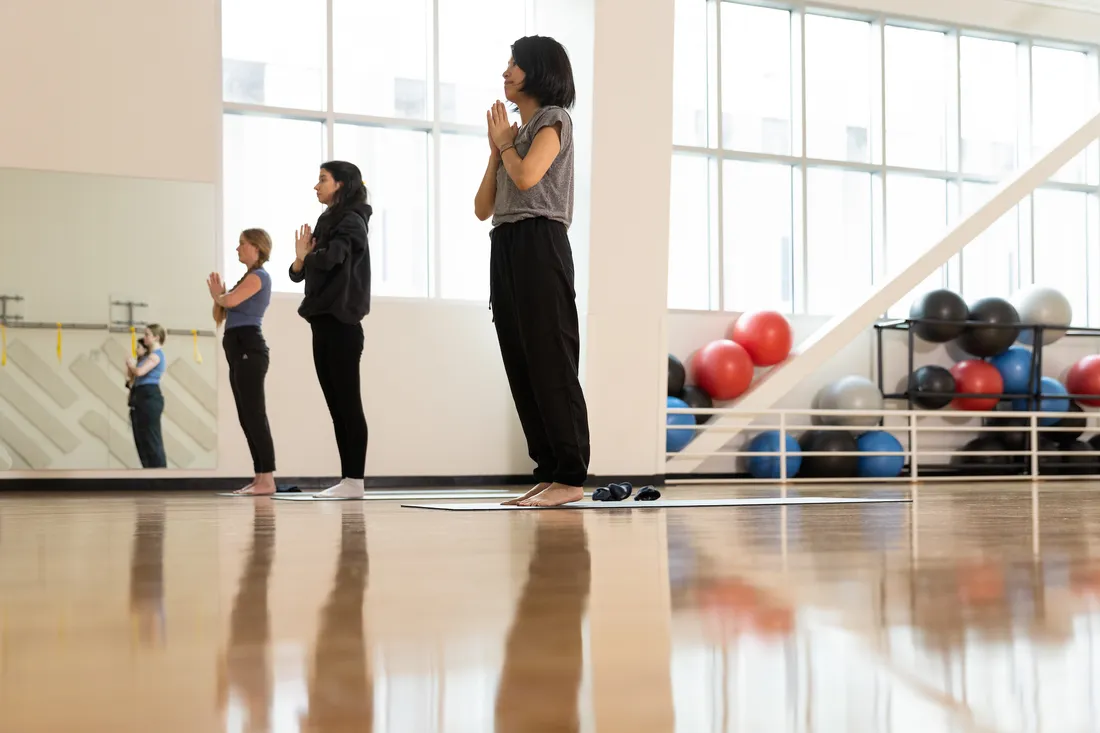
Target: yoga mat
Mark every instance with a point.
(403, 496)
(43, 374)
(661, 504)
(25, 449)
(36, 413)
(191, 380)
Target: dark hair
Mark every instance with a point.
(548, 75)
(352, 192)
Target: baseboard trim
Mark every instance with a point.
(305, 483)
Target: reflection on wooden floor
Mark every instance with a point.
(973, 609)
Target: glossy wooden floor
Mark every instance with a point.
(973, 609)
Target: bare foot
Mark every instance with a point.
(264, 485)
(556, 495)
(539, 488)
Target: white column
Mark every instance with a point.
(628, 247)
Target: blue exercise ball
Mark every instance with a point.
(1052, 399)
(676, 440)
(879, 466)
(768, 466)
(1015, 368)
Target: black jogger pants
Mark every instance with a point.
(337, 351)
(247, 354)
(535, 312)
(146, 408)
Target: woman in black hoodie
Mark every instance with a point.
(334, 261)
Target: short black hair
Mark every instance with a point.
(548, 75)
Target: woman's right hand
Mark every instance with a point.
(215, 285)
(303, 242)
(494, 151)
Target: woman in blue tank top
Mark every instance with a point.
(146, 400)
(242, 309)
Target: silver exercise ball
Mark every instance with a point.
(1046, 306)
(850, 393)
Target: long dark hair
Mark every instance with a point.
(351, 195)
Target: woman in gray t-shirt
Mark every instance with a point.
(528, 191)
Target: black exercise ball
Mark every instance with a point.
(1047, 464)
(939, 305)
(931, 379)
(697, 397)
(676, 376)
(981, 444)
(1076, 465)
(1068, 436)
(993, 329)
(828, 466)
(1013, 440)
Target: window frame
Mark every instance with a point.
(436, 127)
(952, 172)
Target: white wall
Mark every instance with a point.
(96, 92)
(120, 87)
(434, 394)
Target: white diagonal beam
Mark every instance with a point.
(846, 327)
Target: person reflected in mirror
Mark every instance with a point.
(527, 189)
(242, 310)
(141, 350)
(334, 262)
(146, 400)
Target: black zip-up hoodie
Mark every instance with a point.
(337, 271)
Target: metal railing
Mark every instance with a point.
(912, 434)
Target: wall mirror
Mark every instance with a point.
(90, 263)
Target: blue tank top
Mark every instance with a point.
(154, 374)
(251, 311)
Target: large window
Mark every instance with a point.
(817, 152)
(388, 86)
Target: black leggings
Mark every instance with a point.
(337, 350)
(535, 312)
(246, 352)
(146, 407)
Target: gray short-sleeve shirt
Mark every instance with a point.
(551, 197)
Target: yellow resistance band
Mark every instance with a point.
(3, 345)
(195, 341)
(58, 343)
(133, 342)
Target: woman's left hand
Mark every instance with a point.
(215, 285)
(500, 131)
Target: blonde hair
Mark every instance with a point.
(261, 240)
(157, 331)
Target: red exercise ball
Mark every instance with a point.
(975, 376)
(722, 369)
(1084, 378)
(766, 335)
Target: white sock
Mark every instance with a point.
(348, 488)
